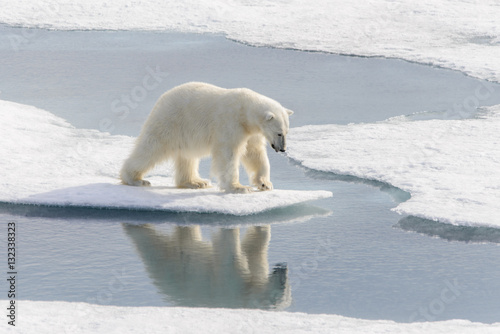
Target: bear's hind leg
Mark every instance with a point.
(143, 158)
(186, 174)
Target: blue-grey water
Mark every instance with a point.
(348, 255)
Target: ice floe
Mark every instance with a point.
(54, 317)
(461, 35)
(451, 168)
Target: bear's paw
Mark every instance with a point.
(240, 189)
(265, 185)
(140, 183)
(196, 184)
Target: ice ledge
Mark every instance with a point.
(115, 196)
(451, 168)
(55, 316)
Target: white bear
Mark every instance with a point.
(197, 119)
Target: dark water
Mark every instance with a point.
(348, 255)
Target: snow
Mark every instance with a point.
(47, 161)
(461, 35)
(451, 168)
(58, 317)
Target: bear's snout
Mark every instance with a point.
(276, 149)
(279, 145)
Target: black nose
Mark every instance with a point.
(282, 150)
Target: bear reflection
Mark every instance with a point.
(224, 272)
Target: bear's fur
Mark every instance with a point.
(195, 120)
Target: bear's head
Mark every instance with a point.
(275, 127)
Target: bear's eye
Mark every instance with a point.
(279, 135)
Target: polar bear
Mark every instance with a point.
(197, 119)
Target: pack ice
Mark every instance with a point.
(451, 168)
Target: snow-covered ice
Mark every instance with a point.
(47, 161)
(57, 317)
(451, 168)
(461, 35)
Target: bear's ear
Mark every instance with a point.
(269, 116)
(289, 112)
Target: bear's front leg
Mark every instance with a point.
(225, 166)
(256, 163)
